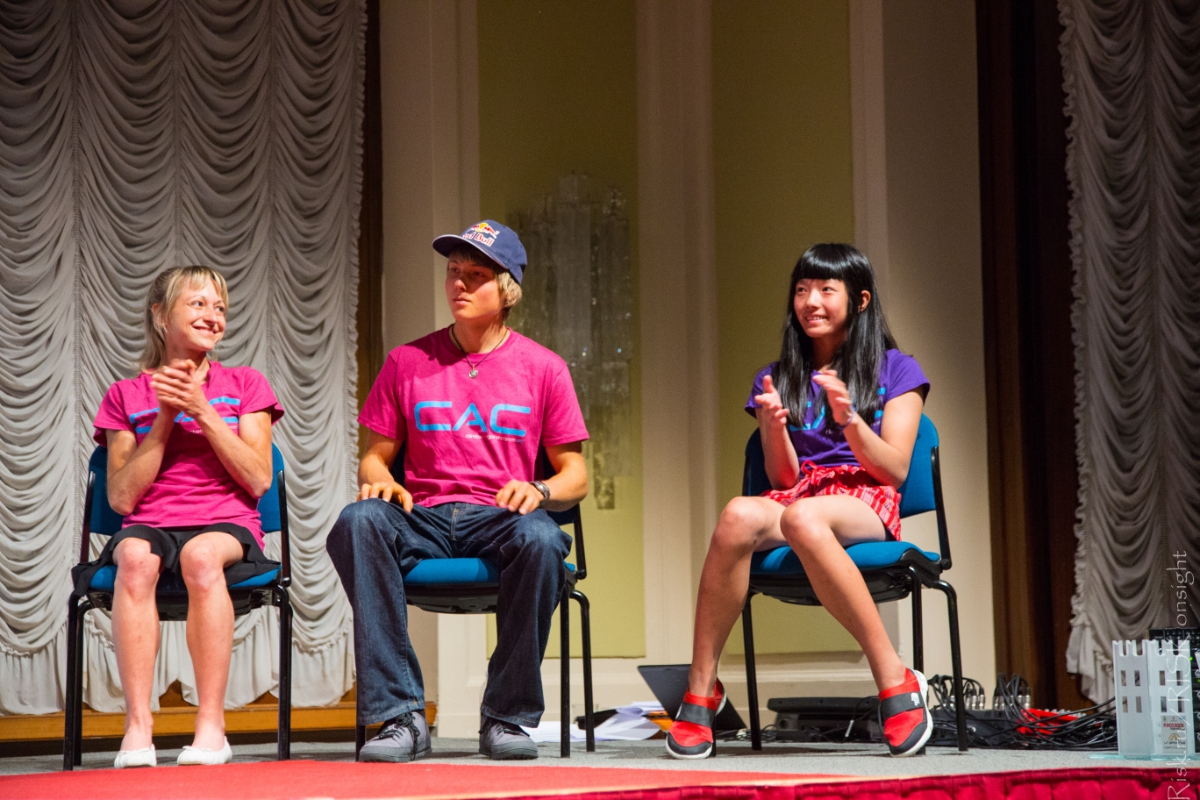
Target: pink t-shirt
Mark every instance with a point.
(192, 487)
(467, 437)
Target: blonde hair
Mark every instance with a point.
(510, 290)
(163, 294)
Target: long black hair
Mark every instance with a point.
(858, 360)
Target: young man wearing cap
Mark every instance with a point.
(470, 404)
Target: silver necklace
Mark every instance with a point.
(475, 366)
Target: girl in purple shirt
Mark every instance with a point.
(189, 454)
(838, 414)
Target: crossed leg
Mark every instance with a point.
(818, 529)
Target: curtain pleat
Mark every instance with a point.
(1132, 75)
(136, 136)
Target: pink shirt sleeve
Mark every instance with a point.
(381, 413)
(257, 395)
(563, 421)
(111, 416)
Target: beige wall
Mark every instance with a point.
(787, 102)
(547, 109)
(934, 299)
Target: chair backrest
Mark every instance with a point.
(105, 521)
(917, 495)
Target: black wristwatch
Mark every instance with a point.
(543, 488)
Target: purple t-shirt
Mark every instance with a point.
(467, 437)
(898, 373)
(192, 487)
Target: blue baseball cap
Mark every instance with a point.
(499, 243)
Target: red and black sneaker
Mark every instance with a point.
(906, 723)
(691, 735)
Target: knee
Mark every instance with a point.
(803, 528)
(137, 566)
(740, 520)
(202, 567)
(356, 520)
(543, 542)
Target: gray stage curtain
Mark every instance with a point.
(1132, 75)
(134, 136)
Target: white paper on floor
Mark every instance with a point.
(628, 725)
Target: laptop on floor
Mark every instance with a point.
(669, 682)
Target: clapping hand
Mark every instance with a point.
(178, 388)
(772, 403)
(838, 394)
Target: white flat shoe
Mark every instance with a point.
(136, 758)
(202, 756)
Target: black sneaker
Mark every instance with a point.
(503, 741)
(403, 739)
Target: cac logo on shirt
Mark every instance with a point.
(439, 415)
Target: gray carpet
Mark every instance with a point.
(865, 760)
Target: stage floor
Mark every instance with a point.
(790, 758)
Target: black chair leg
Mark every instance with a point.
(918, 627)
(960, 708)
(360, 738)
(564, 659)
(284, 749)
(80, 630)
(72, 698)
(589, 721)
(751, 676)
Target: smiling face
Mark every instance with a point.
(196, 322)
(472, 291)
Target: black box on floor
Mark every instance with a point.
(1191, 635)
(826, 718)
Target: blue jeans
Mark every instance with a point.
(374, 544)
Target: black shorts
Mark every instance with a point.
(167, 544)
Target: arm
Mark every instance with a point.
(375, 472)
(782, 465)
(567, 486)
(886, 455)
(246, 455)
(133, 467)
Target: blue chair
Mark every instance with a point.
(262, 590)
(892, 570)
(472, 585)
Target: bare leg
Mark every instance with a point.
(819, 529)
(747, 525)
(209, 628)
(136, 634)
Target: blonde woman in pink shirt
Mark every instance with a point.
(189, 454)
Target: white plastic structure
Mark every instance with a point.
(1154, 699)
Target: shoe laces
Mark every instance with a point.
(505, 727)
(403, 722)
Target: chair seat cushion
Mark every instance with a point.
(870, 555)
(456, 571)
(445, 571)
(105, 580)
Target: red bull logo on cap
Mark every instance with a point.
(482, 233)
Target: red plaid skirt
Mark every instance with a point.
(848, 479)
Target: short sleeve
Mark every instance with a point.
(257, 395)
(757, 388)
(902, 374)
(381, 412)
(562, 421)
(111, 416)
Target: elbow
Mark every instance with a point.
(260, 488)
(120, 506)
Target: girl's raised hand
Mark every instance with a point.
(838, 394)
(772, 403)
